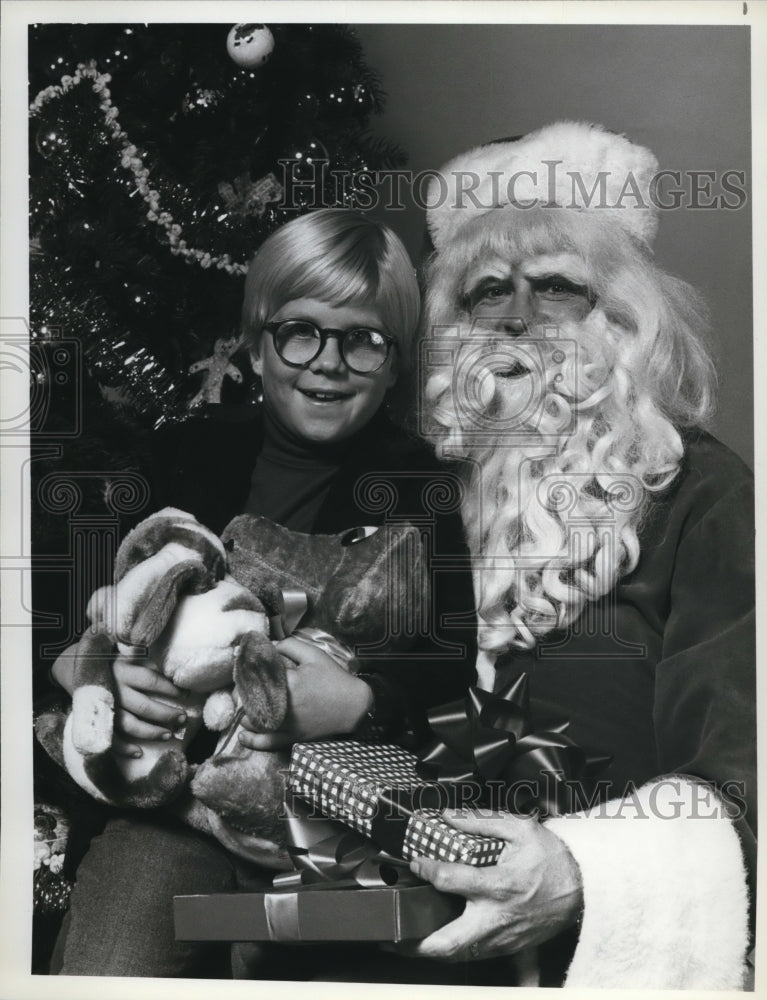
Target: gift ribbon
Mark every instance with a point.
(490, 742)
(292, 606)
(281, 913)
(327, 855)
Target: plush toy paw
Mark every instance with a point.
(93, 710)
(246, 788)
(259, 850)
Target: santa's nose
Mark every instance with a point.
(512, 326)
(515, 325)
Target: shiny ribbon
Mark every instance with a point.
(327, 855)
(487, 746)
(293, 605)
(330, 855)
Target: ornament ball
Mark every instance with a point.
(52, 142)
(250, 45)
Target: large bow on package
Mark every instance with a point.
(351, 886)
(490, 751)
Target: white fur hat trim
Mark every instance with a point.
(576, 165)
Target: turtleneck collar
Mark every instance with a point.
(281, 447)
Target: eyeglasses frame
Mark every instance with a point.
(325, 334)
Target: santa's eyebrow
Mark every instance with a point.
(487, 271)
(557, 266)
(537, 280)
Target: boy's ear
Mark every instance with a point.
(255, 359)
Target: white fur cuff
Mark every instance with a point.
(665, 899)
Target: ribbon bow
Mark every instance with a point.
(327, 856)
(488, 749)
(330, 854)
(293, 605)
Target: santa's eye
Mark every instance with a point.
(558, 288)
(487, 291)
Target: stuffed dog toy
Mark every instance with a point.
(207, 630)
(172, 600)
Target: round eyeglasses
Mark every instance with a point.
(298, 342)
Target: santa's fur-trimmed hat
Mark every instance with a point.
(572, 165)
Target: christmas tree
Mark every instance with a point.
(161, 156)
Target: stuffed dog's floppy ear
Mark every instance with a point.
(136, 610)
(163, 528)
(261, 679)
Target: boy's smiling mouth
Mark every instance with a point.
(325, 395)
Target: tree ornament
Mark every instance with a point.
(52, 142)
(249, 198)
(217, 366)
(51, 888)
(363, 97)
(307, 160)
(200, 99)
(250, 45)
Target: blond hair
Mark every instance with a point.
(338, 256)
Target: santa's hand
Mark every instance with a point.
(533, 893)
(139, 714)
(323, 699)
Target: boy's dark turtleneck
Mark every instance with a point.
(292, 476)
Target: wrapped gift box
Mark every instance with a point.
(314, 913)
(376, 791)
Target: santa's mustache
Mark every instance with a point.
(490, 389)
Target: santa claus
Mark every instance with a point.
(613, 550)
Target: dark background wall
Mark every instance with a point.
(682, 91)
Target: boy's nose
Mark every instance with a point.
(329, 358)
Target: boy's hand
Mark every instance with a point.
(323, 699)
(139, 714)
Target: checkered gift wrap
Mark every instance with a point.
(345, 779)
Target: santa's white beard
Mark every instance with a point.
(559, 451)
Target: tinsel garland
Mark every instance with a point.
(131, 160)
(182, 159)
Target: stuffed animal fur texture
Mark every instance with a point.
(201, 607)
